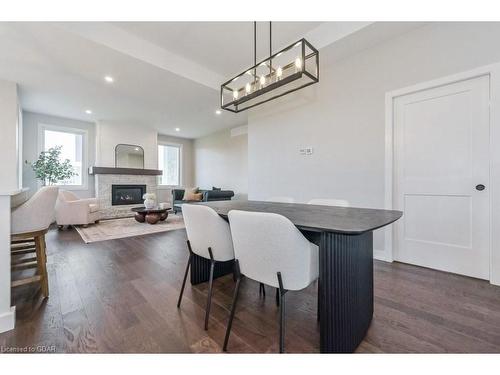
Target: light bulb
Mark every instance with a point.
(298, 63)
(279, 73)
(248, 88)
(262, 80)
(235, 94)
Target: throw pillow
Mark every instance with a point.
(188, 192)
(193, 197)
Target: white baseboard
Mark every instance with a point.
(381, 255)
(8, 320)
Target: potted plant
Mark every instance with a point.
(49, 169)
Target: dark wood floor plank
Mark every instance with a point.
(120, 296)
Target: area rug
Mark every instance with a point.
(127, 227)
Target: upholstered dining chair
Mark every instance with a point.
(329, 202)
(72, 210)
(209, 237)
(269, 249)
(29, 223)
(280, 199)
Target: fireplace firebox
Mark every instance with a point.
(127, 194)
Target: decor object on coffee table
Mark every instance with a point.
(151, 215)
(149, 200)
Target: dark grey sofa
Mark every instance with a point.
(208, 195)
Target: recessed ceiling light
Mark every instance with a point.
(177, 129)
(218, 112)
(88, 111)
(109, 79)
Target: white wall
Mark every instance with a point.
(109, 134)
(222, 161)
(9, 182)
(187, 165)
(343, 116)
(10, 136)
(31, 122)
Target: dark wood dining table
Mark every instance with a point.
(345, 239)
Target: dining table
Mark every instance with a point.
(345, 239)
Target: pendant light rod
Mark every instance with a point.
(255, 51)
(270, 48)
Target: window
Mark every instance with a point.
(169, 161)
(73, 143)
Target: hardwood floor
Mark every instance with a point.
(120, 296)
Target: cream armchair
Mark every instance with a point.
(71, 210)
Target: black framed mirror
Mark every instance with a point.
(129, 156)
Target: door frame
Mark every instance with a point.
(493, 71)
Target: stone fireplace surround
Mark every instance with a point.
(106, 177)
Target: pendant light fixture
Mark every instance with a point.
(292, 68)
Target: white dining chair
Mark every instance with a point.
(329, 202)
(280, 199)
(269, 249)
(209, 237)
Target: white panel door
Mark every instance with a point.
(441, 149)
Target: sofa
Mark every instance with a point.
(208, 195)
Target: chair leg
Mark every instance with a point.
(317, 303)
(262, 290)
(282, 292)
(210, 287)
(184, 281)
(233, 306)
(277, 297)
(41, 259)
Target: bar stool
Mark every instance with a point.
(29, 224)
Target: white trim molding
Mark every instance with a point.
(493, 71)
(85, 154)
(181, 165)
(8, 320)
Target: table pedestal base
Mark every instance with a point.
(346, 295)
(200, 269)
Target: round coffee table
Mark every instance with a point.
(151, 215)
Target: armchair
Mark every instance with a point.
(71, 210)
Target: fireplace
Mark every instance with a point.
(127, 194)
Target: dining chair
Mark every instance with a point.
(29, 223)
(209, 237)
(329, 202)
(269, 249)
(279, 199)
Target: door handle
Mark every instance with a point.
(480, 187)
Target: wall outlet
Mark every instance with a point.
(306, 151)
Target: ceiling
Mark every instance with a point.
(166, 74)
(223, 47)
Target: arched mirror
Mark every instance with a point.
(129, 156)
